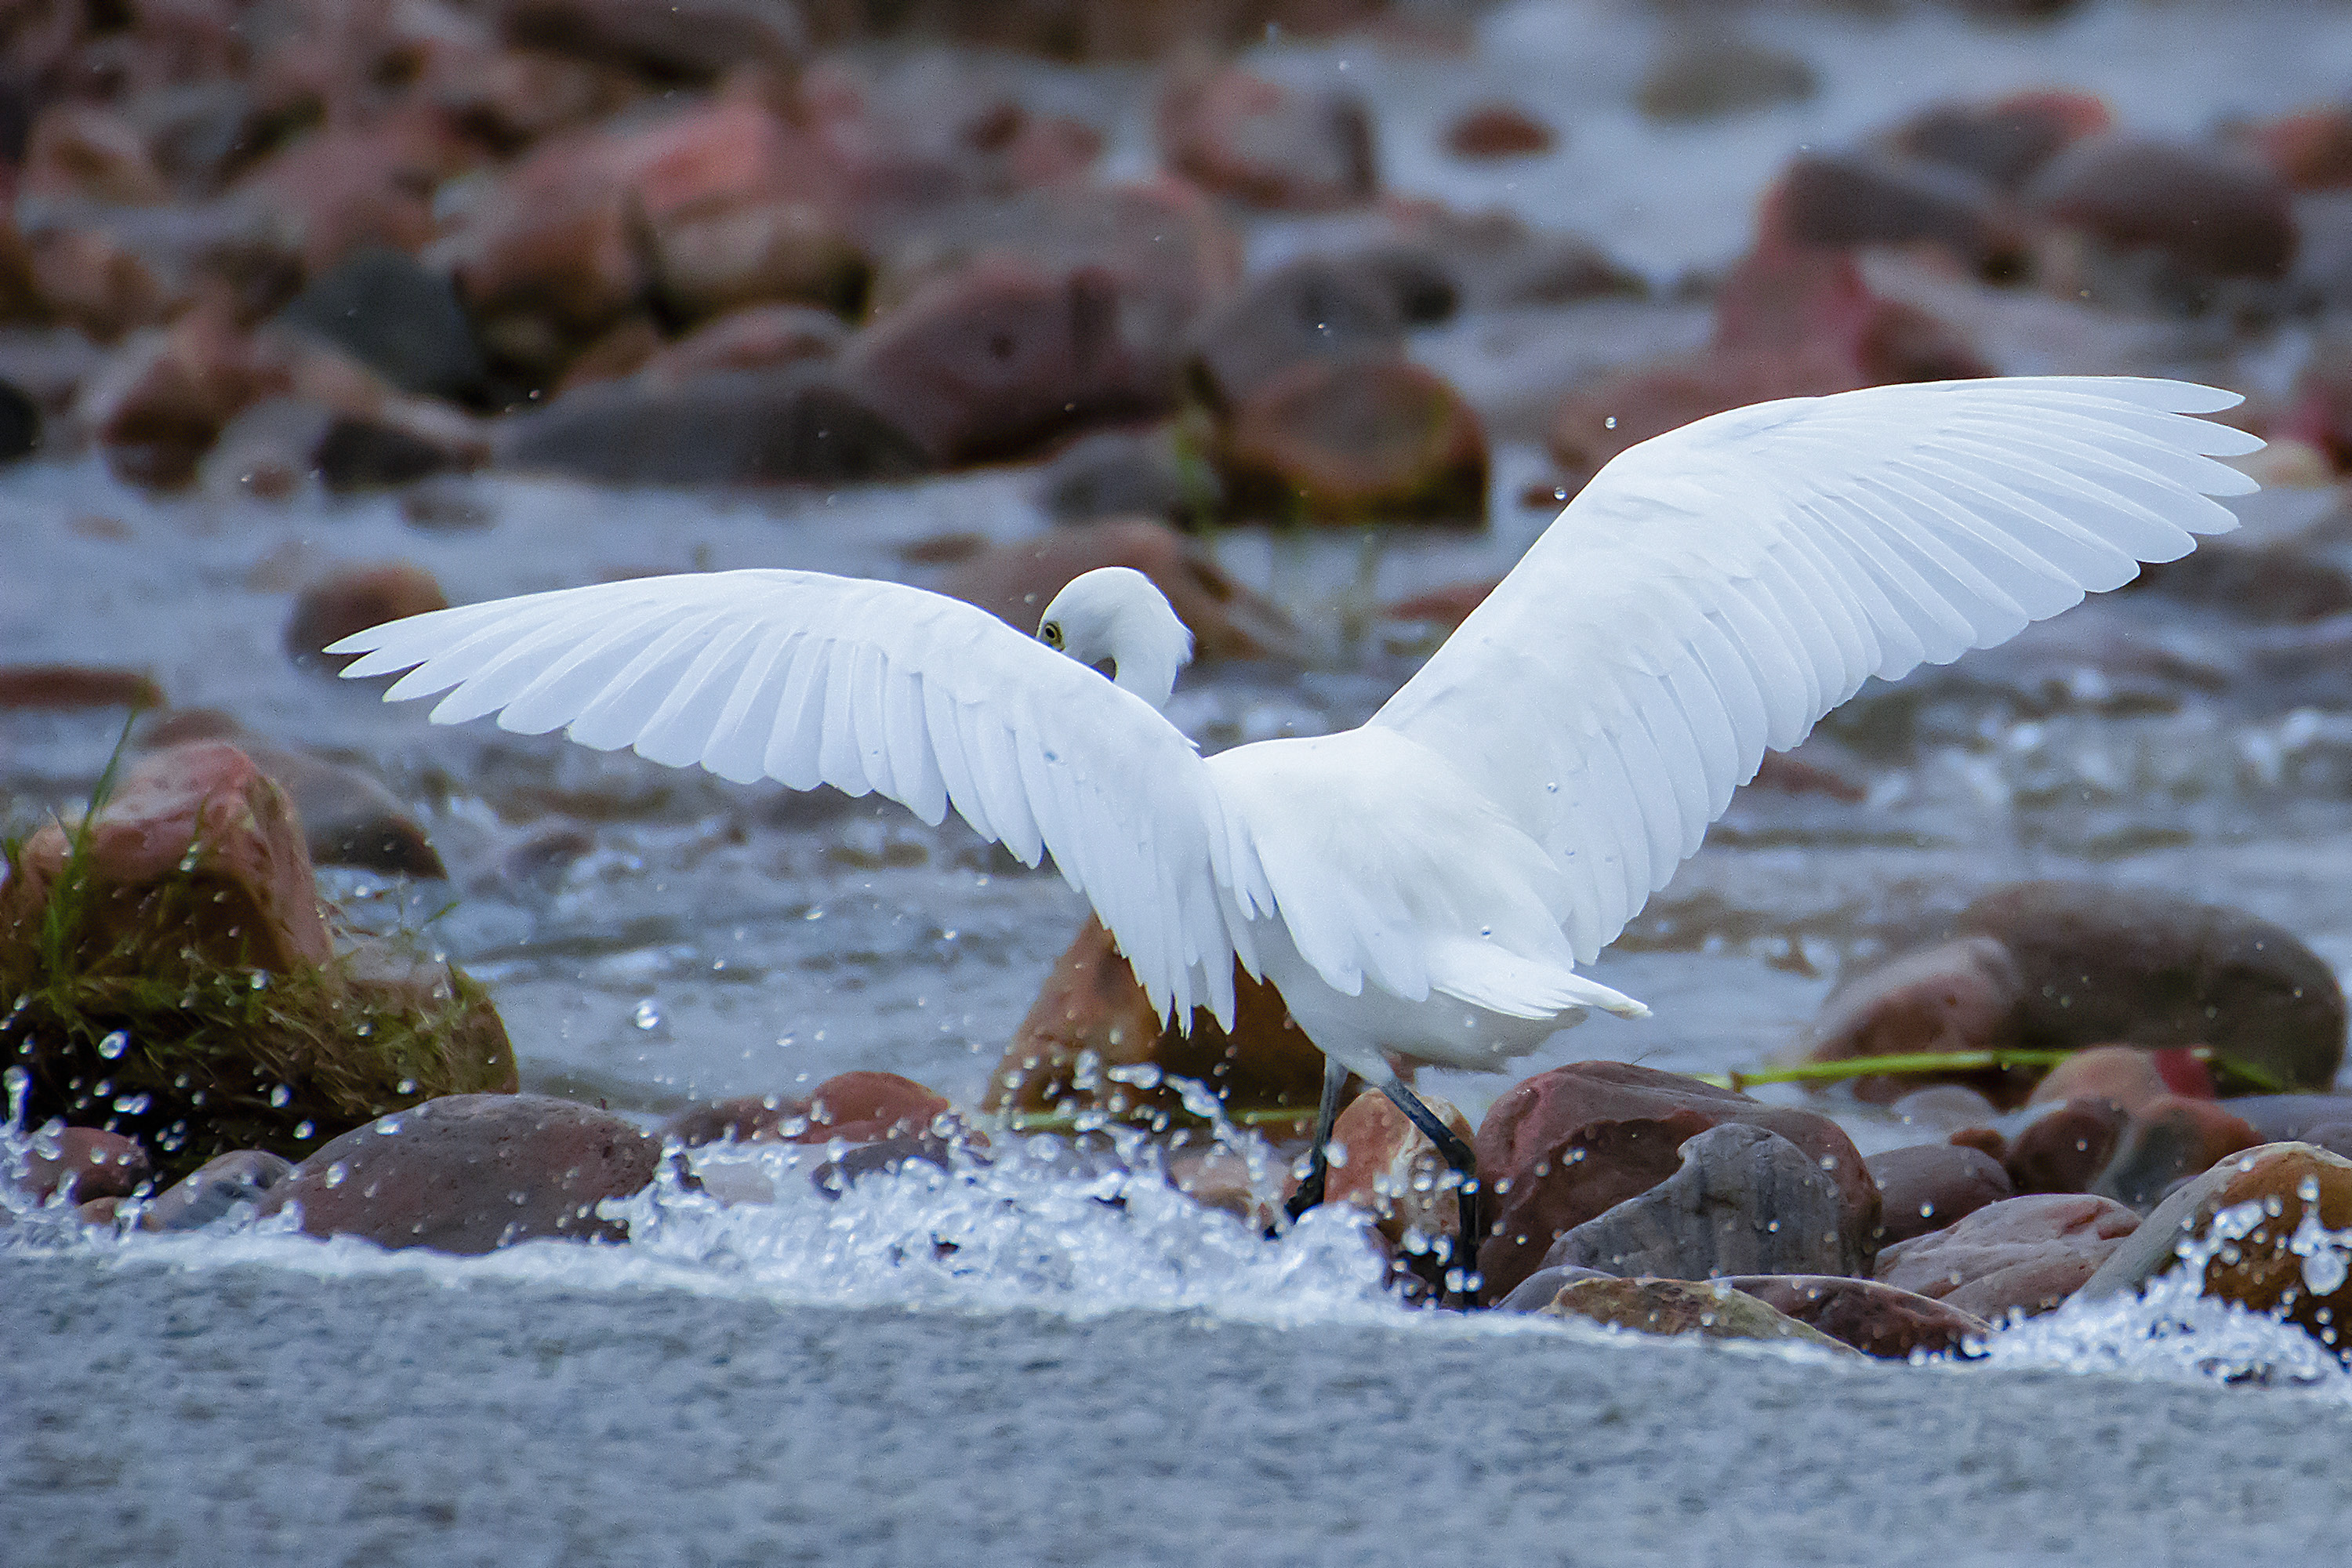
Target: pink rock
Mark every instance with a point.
(1928, 1187)
(346, 188)
(1846, 200)
(2065, 1148)
(2311, 151)
(1561, 1147)
(2125, 1074)
(1874, 1317)
(159, 403)
(2005, 140)
(1272, 146)
(1393, 1171)
(758, 337)
(79, 1164)
(2024, 1254)
(1959, 995)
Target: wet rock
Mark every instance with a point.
(93, 281)
(1745, 1201)
(471, 1173)
(2065, 1148)
(1272, 146)
(396, 317)
(67, 686)
(2005, 142)
(2168, 1140)
(1091, 1042)
(1876, 1319)
(2271, 583)
(1845, 200)
(707, 263)
(2261, 1216)
(1016, 582)
(1128, 473)
(693, 43)
(365, 454)
(215, 1188)
(1928, 1186)
(1707, 75)
(2025, 1254)
(851, 1108)
(1536, 1292)
(75, 1164)
(882, 1157)
(2212, 212)
(1946, 1108)
(345, 186)
(1495, 258)
(744, 427)
(1498, 131)
(85, 150)
(2126, 1075)
(1393, 1172)
(158, 405)
(1340, 442)
(1314, 309)
(1985, 1140)
(1564, 1146)
(2059, 965)
(2310, 151)
(2289, 1118)
(1712, 1309)
(352, 600)
(1004, 356)
(1219, 1178)
(758, 337)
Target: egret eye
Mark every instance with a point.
(1050, 634)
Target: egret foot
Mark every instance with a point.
(1319, 1163)
(1462, 1278)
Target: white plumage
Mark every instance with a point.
(1422, 888)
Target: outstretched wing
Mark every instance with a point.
(868, 687)
(1715, 591)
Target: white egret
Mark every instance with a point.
(1421, 889)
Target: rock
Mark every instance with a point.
(345, 186)
(1494, 258)
(1708, 75)
(67, 686)
(2168, 1140)
(2024, 1254)
(215, 1188)
(2005, 140)
(2290, 1118)
(995, 360)
(360, 454)
(1498, 131)
(1128, 473)
(348, 816)
(1219, 1178)
(160, 403)
(1714, 1310)
(1271, 146)
(2060, 966)
(1984, 1140)
(75, 1164)
(1561, 1147)
(88, 280)
(2213, 213)
(20, 424)
(1745, 1201)
(397, 318)
(87, 150)
(1876, 1319)
(1394, 1172)
(2268, 584)
(796, 425)
(1928, 1186)
(352, 600)
(1536, 1292)
(2259, 1218)
(1091, 1042)
(1314, 309)
(1448, 606)
(693, 42)
(178, 981)
(2065, 1148)
(1016, 582)
(1946, 1108)
(1845, 200)
(705, 264)
(1355, 442)
(2126, 1075)
(883, 1157)
(758, 337)
(471, 1173)
(2310, 151)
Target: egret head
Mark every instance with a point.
(1115, 612)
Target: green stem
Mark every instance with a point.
(1918, 1062)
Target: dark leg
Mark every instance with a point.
(1310, 1190)
(1464, 1164)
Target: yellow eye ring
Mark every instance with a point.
(1050, 634)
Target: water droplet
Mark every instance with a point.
(260, 981)
(305, 1130)
(281, 1095)
(336, 1173)
(648, 1015)
(114, 1045)
(406, 1086)
(132, 1104)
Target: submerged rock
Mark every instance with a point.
(471, 1173)
(214, 1189)
(2166, 1142)
(1715, 1311)
(1873, 1318)
(2024, 1254)
(852, 1108)
(1745, 1201)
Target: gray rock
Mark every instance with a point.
(399, 317)
(215, 1187)
(1313, 309)
(1536, 1292)
(744, 426)
(1746, 1201)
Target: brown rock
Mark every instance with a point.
(1314, 309)
(508, 99)
(2311, 151)
(87, 278)
(1876, 1319)
(760, 337)
(1561, 1147)
(215, 1188)
(1016, 582)
(1272, 146)
(2064, 1149)
(1354, 442)
(62, 685)
(159, 405)
(348, 817)
(2281, 583)
(2215, 212)
(348, 187)
(75, 1164)
(2256, 1218)
(87, 150)
(1091, 1042)
(1713, 1310)
(1498, 131)
(1958, 996)
(2169, 1139)
(1393, 1171)
(472, 1173)
(2005, 142)
(1928, 1186)
(710, 262)
(1704, 75)
(694, 42)
(2126, 1075)
(353, 600)
(1846, 199)
(1219, 1178)
(2024, 1254)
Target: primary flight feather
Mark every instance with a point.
(1423, 888)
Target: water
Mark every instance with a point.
(1035, 1364)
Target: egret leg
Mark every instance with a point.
(1318, 1166)
(1458, 1155)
